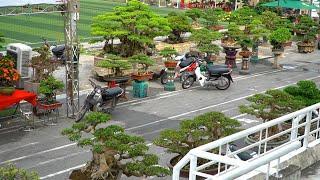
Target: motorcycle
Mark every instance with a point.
(185, 64)
(99, 99)
(215, 75)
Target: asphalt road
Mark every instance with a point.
(53, 156)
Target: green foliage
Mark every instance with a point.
(308, 27)
(115, 63)
(278, 37)
(49, 88)
(271, 105)
(168, 52)
(134, 24)
(204, 38)
(234, 32)
(179, 24)
(213, 16)
(143, 60)
(194, 13)
(243, 16)
(11, 172)
(305, 91)
(114, 151)
(196, 132)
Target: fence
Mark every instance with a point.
(274, 142)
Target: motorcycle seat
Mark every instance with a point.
(218, 70)
(186, 62)
(217, 66)
(111, 92)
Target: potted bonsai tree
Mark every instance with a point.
(194, 14)
(49, 87)
(142, 62)
(200, 130)
(8, 75)
(116, 66)
(204, 40)
(269, 106)
(306, 31)
(179, 24)
(213, 17)
(277, 39)
(230, 44)
(114, 152)
(168, 55)
(42, 66)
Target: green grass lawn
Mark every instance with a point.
(29, 29)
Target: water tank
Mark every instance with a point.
(21, 54)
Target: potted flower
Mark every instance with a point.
(49, 87)
(115, 153)
(168, 55)
(306, 31)
(42, 66)
(8, 75)
(269, 106)
(200, 130)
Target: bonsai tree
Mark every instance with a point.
(233, 35)
(117, 65)
(194, 14)
(307, 30)
(42, 64)
(212, 17)
(243, 16)
(204, 40)
(200, 130)
(142, 62)
(11, 172)
(269, 19)
(271, 105)
(179, 24)
(49, 87)
(114, 152)
(135, 24)
(168, 53)
(278, 37)
(305, 91)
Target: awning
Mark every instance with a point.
(10, 3)
(294, 4)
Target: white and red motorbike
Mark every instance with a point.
(218, 76)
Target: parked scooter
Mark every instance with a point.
(218, 76)
(102, 99)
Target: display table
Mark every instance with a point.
(14, 100)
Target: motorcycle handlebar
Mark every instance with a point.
(94, 85)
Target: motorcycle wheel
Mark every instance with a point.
(164, 78)
(81, 113)
(183, 76)
(223, 83)
(188, 82)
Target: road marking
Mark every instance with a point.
(38, 153)
(240, 115)
(208, 107)
(63, 171)
(247, 121)
(30, 144)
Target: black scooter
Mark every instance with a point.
(102, 99)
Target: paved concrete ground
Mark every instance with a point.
(53, 156)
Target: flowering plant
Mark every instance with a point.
(8, 74)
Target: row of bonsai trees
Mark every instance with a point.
(136, 26)
(115, 152)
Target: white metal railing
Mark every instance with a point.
(301, 128)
